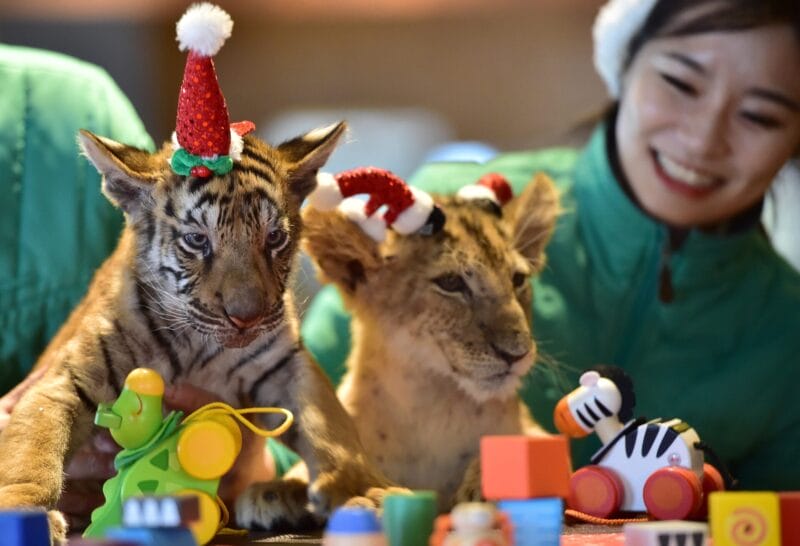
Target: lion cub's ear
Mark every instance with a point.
(533, 214)
(342, 251)
(129, 174)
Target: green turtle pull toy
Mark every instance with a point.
(170, 455)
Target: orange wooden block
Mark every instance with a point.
(524, 467)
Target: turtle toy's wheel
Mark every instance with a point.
(207, 449)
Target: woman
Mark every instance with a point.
(660, 265)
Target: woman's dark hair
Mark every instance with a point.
(667, 18)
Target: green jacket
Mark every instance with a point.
(723, 355)
(55, 225)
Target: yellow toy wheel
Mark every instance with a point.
(207, 449)
(207, 524)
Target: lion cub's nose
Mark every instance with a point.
(508, 358)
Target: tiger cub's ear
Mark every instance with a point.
(307, 154)
(129, 174)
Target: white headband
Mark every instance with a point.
(614, 27)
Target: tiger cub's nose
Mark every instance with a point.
(245, 322)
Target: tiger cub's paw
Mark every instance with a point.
(277, 506)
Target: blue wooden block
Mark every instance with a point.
(153, 536)
(537, 522)
(24, 528)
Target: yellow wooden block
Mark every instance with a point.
(745, 518)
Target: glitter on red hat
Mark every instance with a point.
(383, 187)
(201, 99)
(499, 185)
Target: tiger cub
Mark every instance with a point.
(441, 332)
(197, 290)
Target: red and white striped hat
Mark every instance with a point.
(408, 210)
(492, 186)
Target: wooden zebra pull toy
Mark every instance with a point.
(655, 466)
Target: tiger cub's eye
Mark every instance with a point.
(196, 240)
(277, 239)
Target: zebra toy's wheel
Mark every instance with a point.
(596, 491)
(712, 481)
(673, 492)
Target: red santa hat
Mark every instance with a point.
(408, 210)
(205, 141)
(492, 186)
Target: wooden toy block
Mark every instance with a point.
(100, 542)
(524, 467)
(745, 518)
(153, 536)
(24, 528)
(160, 511)
(666, 533)
(536, 522)
(790, 517)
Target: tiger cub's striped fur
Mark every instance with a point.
(196, 289)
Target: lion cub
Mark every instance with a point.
(441, 332)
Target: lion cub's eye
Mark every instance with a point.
(518, 280)
(451, 282)
(277, 239)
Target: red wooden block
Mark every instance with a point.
(790, 517)
(524, 467)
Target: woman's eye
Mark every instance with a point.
(679, 84)
(518, 280)
(451, 283)
(761, 120)
(196, 240)
(276, 239)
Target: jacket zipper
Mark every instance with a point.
(644, 297)
(665, 290)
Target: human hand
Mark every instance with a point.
(254, 463)
(88, 469)
(12, 397)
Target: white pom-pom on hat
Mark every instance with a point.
(473, 191)
(615, 25)
(327, 195)
(414, 217)
(203, 29)
(374, 226)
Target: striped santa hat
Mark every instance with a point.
(407, 210)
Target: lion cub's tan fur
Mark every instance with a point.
(441, 335)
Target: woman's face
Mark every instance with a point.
(706, 121)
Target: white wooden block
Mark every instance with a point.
(666, 533)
